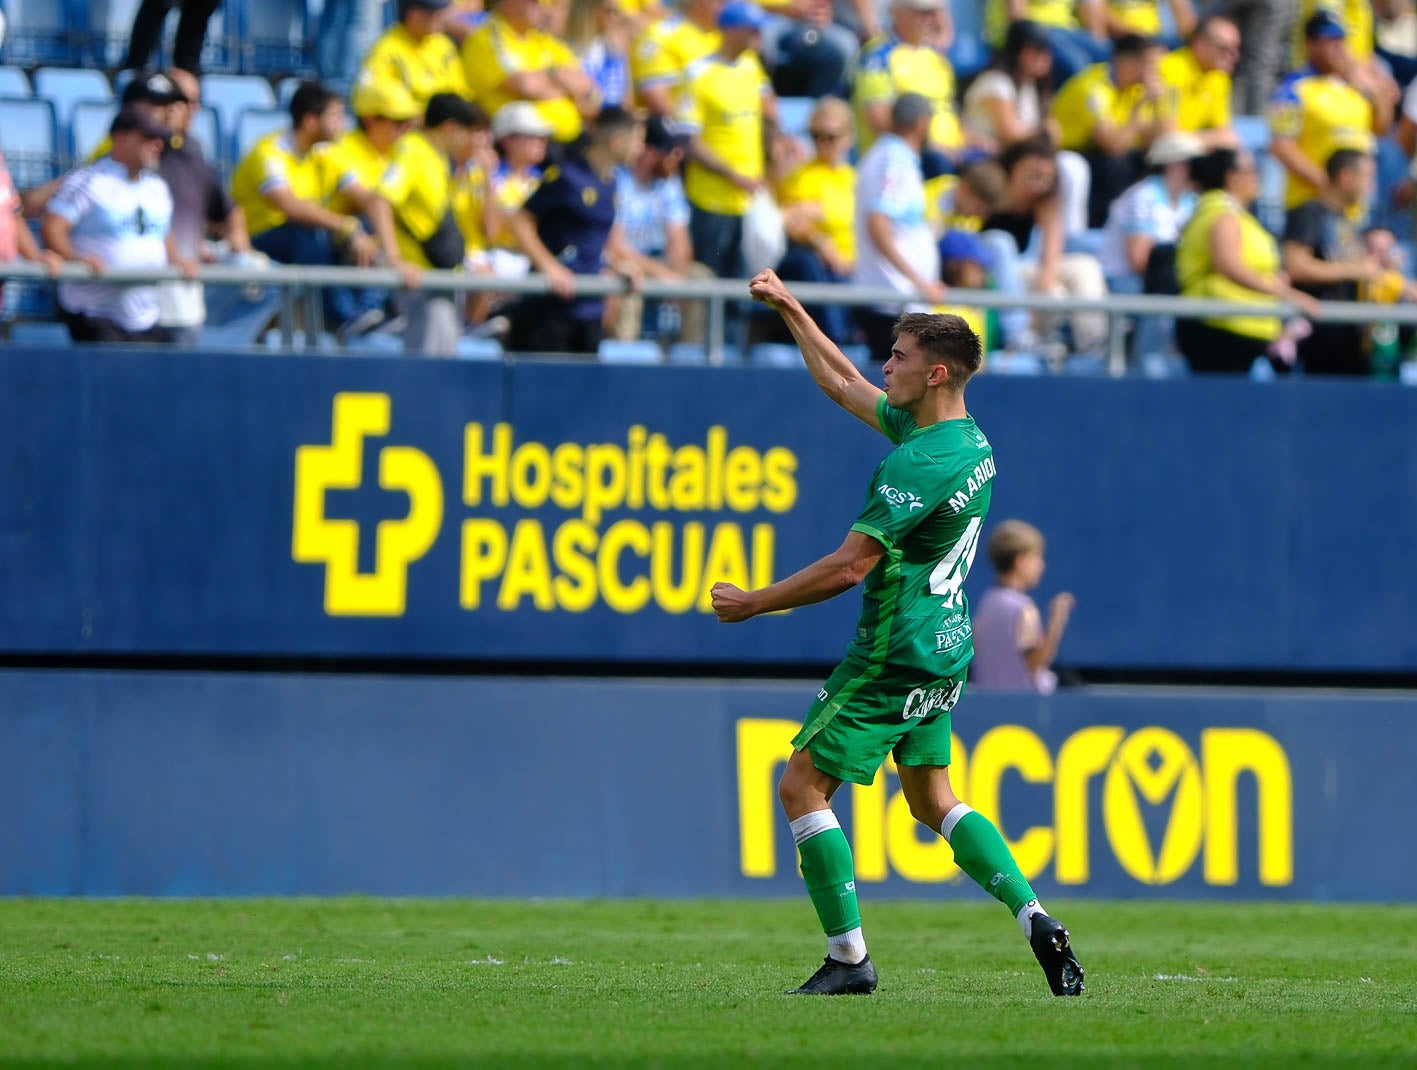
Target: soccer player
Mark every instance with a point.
(912, 544)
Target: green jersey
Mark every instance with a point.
(926, 505)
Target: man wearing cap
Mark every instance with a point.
(282, 184)
(521, 137)
(1111, 113)
(354, 164)
(116, 213)
(566, 228)
(895, 248)
(1198, 74)
(668, 49)
(1138, 253)
(421, 186)
(1321, 109)
(907, 60)
(415, 57)
(653, 217)
(726, 104)
(511, 58)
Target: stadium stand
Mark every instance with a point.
(254, 124)
(231, 94)
(66, 87)
(14, 83)
(30, 140)
(40, 31)
(273, 36)
(613, 351)
(87, 127)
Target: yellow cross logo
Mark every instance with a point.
(319, 539)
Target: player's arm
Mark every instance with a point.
(839, 571)
(839, 379)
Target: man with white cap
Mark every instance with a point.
(1138, 253)
(521, 136)
(906, 60)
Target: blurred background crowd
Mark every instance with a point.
(1254, 151)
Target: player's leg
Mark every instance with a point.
(805, 793)
(981, 852)
(839, 741)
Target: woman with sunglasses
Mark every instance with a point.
(1225, 253)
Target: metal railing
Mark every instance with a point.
(300, 287)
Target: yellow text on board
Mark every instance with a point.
(1145, 768)
(637, 522)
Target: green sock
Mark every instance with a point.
(981, 852)
(827, 869)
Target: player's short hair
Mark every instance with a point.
(1010, 541)
(451, 108)
(611, 121)
(1134, 44)
(1343, 160)
(310, 98)
(945, 338)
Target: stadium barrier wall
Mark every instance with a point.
(163, 503)
(247, 784)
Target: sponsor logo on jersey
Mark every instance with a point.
(921, 702)
(898, 497)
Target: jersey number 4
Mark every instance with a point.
(947, 579)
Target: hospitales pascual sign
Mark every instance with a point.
(643, 520)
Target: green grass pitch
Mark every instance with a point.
(421, 984)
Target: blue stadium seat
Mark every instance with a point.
(206, 132)
(688, 353)
(273, 36)
(89, 126)
(29, 140)
(42, 31)
(479, 349)
(40, 335)
(231, 94)
(793, 114)
(375, 344)
(613, 351)
(969, 52)
(1163, 366)
(1015, 364)
(1253, 131)
(860, 355)
(775, 355)
(110, 25)
(1085, 365)
(14, 83)
(285, 89)
(253, 125)
(66, 87)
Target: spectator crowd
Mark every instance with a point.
(1097, 152)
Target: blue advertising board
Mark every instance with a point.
(196, 784)
(168, 503)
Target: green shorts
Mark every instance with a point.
(864, 712)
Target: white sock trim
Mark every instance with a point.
(848, 946)
(954, 817)
(1025, 915)
(813, 824)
